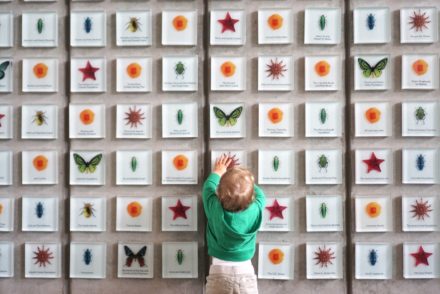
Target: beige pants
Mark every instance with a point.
(227, 280)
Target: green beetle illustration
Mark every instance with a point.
(322, 22)
(323, 210)
(180, 69)
(322, 115)
(179, 256)
(276, 163)
(40, 25)
(420, 114)
(133, 164)
(323, 162)
(179, 116)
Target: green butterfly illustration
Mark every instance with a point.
(227, 120)
(3, 68)
(87, 166)
(372, 71)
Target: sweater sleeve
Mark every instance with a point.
(209, 195)
(260, 198)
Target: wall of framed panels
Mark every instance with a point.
(105, 129)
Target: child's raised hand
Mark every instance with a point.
(221, 164)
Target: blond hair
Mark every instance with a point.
(236, 189)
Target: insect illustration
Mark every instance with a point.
(87, 256)
(87, 166)
(420, 162)
(40, 25)
(139, 256)
(276, 163)
(324, 256)
(88, 25)
(39, 209)
(133, 164)
(275, 69)
(322, 115)
(87, 210)
(1, 116)
(421, 209)
(371, 21)
(419, 21)
(322, 162)
(3, 67)
(180, 256)
(42, 256)
(179, 70)
(179, 116)
(134, 117)
(372, 257)
(133, 25)
(322, 22)
(40, 118)
(227, 120)
(420, 114)
(323, 209)
(369, 71)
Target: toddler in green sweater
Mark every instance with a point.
(233, 206)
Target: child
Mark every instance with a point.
(233, 206)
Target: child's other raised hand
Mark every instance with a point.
(221, 164)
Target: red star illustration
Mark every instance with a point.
(1, 116)
(179, 210)
(373, 163)
(276, 210)
(228, 23)
(421, 256)
(89, 71)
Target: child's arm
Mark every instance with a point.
(211, 183)
(260, 198)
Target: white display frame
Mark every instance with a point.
(6, 175)
(88, 214)
(7, 216)
(186, 176)
(418, 213)
(39, 125)
(330, 173)
(330, 81)
(229, 82)
(32, 175)
(228, 37)
(334, 268)
(30, 219)
(33, 84)
(48, 37)
(51, 269)
(6, 84)
(6, 29)
(379, 18)
(411, 80)
(173, 221)
(283, 216)
(267, 269)
(268, 126)
(227, 131)
(98, 250)
(142, 34)
(372, 83)
(173, 80)
(315, 34)
(420, 166)
(382, 222)
(426, 125)
(367, 126)
(7, 262)
(87, 179)
(430, 271)
(135, 270)
(416, 35)
(143, 167)
(129, 129)
(324, 218)
(189, 267)
(281, 35)
(173, 37)
(180, 126)
(6, 121)
(275, 73)
(96, 37)
(268, 176)
(373, 261)
(140, 82)
(95, 79)
(332, 126)
(384, 177)
(79, 129)
(137, 223)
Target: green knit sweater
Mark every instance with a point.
(231, 236)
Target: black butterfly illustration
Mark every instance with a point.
(138, 256)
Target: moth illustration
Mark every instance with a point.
(375, 71)
(3, 67)
(139, 256)
(87, 166)
(227, 120)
